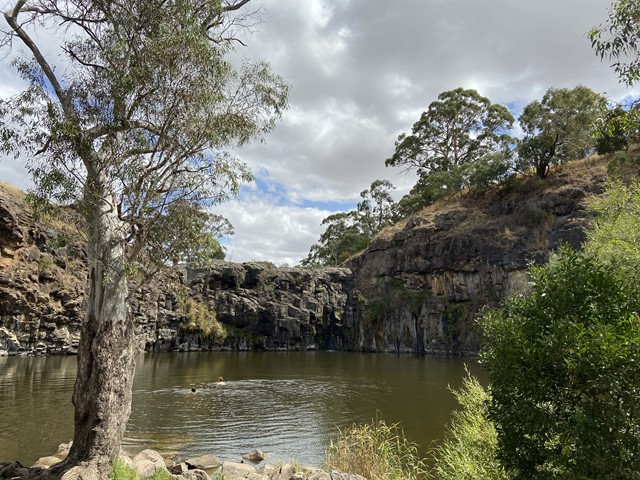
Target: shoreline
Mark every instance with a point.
(148, 463)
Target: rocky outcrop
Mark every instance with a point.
(420, 284)
(416, 289)
(226, 306)
(42, 280)
(248, 306)
(148, 463)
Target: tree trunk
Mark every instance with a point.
(542, 169)
(106, 354)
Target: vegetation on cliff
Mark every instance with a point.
(460, 144)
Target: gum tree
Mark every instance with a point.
(132, 126)
(347, 233)
(559, 128)
(618, 38)
(460, 127)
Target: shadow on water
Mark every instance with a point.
(287, 403)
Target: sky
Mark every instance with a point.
(361, 72)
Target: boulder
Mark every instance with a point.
(320, 475)
(235, 471)
(285, 472)
(195, 474)
(204, 462)
(46, 462)
(254, 455)
(63, 450)
(147, 462)
(178, 468)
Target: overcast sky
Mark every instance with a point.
(361, 72)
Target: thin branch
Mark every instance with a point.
(12, 20)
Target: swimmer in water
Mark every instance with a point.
(220, 381)
(193, 389)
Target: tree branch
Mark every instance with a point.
(11, 17)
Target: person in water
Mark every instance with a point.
(220, 381)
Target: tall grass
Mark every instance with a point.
(469, 450)
(377, 452)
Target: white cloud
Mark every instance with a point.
(281, 234)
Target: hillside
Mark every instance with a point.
(422, 281)
(415, 289)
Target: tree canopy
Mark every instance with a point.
(460, 127)
(618, 39)
(559, 128)
(347, 233)
(134, 126)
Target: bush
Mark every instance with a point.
(197, 317)
(469, 450)
(614, 237)
(121, 471)
(565, 372)
(377, 452)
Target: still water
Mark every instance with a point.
(290, 404)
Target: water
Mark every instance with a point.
(290, 404)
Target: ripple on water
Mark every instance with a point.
(280, 415)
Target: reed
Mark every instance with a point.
(377, 452)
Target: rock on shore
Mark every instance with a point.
(147, 462)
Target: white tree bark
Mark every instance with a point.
(106, 354)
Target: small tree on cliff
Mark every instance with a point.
(132, 128)
(347, 233)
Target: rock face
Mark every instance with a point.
(42, 281)
(227, 306)
(416, 289)
(419, 285)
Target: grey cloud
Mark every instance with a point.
(509, 50)
(361, 72)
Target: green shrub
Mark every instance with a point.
(565, 368)
(469, 450)
(121, 471)
(614, 236)
(199, 318)
(377, 452)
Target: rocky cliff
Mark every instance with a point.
(416, 289)
(419, 285)
(227, 306)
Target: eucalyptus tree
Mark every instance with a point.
(460, 127)
(133, 125)
(559, 128)
(347, 233)
(377, 208)
(343, 237)
(618, 39)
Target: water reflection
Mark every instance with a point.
(288, 403)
